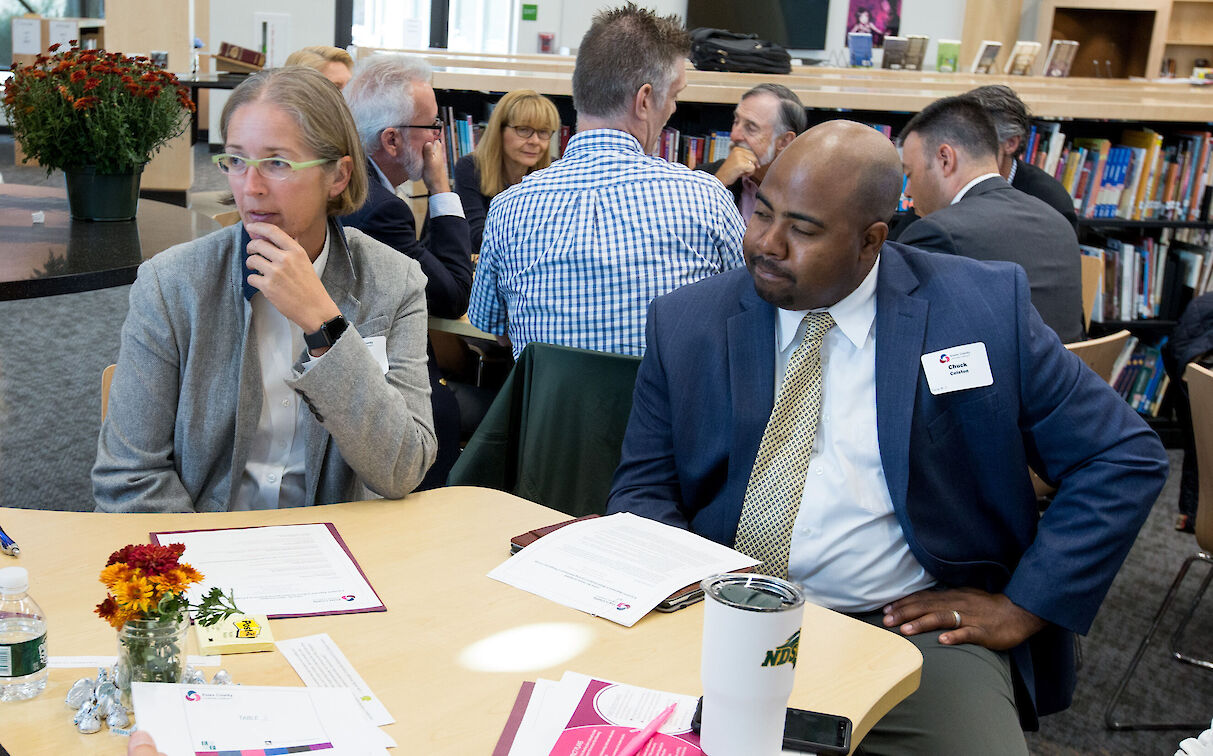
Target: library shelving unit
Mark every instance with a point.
(470, 83)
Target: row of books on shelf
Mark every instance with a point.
(1139, 376)
(1149, 278)
(692, 150)
(1143, 176)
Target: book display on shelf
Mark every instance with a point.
(860, 44)
(1022, 58)
(1146, 278)
(895, 50)
(987, 56)
(916, 51)
(947, 56)
(1139, 376)
(1060, 57)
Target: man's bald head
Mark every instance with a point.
(857, 159)
(822, 215)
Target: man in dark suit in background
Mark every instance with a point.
(1010, 117)
(950, 157)
(766, 120)
(397, 117)
(903, 496)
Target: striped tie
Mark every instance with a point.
(773, 495)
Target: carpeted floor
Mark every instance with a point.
(52, 352)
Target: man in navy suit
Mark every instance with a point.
(394, 108)
(940, 385)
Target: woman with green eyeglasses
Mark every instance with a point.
(279, 362)
(516, 142)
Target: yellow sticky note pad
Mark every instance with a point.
(238, 634)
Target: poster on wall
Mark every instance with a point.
(880, 18)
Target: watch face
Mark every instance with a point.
(327, 335)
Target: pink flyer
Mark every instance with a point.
(609, 714)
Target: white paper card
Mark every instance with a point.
(191, 719)
(92, 662)
(61, 32)
(617, 567)
(279, 571)
(957, 368)
(320, 664)
(27, 36)
(378, 347)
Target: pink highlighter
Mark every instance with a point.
(641, 739)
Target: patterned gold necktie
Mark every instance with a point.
(772, 498)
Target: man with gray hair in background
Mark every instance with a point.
(574, 253)
(394, 109)
(766, 121)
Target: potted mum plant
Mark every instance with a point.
(99, 117)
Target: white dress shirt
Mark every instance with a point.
(442, 203)
(274, 473)
(965, 189)
(848, 551)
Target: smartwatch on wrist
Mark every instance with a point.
(327, 335)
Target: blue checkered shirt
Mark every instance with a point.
(575, 253)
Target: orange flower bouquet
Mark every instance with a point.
(147, 602)
(91, 107)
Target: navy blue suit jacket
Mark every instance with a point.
(956, 464)
(444, 251)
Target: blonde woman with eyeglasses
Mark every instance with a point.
(516, 142)
(279, 362)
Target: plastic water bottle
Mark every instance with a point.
(23, 658)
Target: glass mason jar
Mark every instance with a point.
(151, 650)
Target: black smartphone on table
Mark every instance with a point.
(809, 731)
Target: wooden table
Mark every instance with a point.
(427, 556)
(63, 256)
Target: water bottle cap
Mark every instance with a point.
(14, 580)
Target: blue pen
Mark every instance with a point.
(8, 545)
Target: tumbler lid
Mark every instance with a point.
(754, 593)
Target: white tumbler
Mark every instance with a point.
(751, 634)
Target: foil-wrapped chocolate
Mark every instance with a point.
(194, 676)
(119, 717)
(81, 691)
(89, 724)
(222, 677)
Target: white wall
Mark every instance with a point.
(570, 19)
(311, 23)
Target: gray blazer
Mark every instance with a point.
(186, 395)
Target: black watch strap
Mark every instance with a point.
(327, 335)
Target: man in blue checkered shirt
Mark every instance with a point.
(574, 254)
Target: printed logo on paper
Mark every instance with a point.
(247, 628)
(785, 653)
(192, 696)
(348, 597)
(623, 607)
(943, 358)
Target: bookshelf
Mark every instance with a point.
(1082, 108)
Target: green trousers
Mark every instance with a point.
(964, 705)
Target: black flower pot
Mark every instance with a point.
(94, 196)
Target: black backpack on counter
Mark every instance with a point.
(721, 50)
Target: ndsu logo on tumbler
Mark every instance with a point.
(785, 653)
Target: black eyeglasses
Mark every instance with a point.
(437, 125)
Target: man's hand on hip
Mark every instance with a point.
(968, 615)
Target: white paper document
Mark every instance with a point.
(320, 664)
(279, 571)
(191, 719)
(87, 662)
(618, 567)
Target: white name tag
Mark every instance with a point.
(378, 347)
(956, 369)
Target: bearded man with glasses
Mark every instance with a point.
(394, 108)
